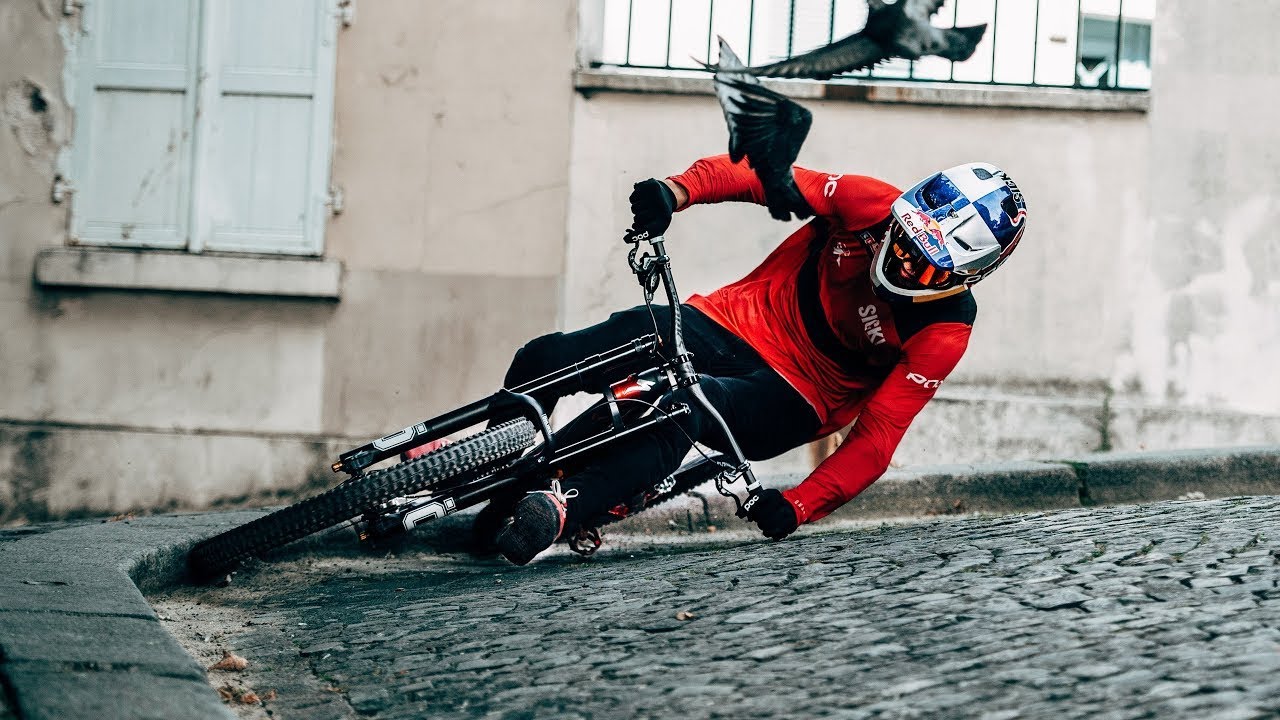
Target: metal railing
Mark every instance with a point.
(1102, 44)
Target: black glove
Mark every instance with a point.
(652, 204)
(775, 515)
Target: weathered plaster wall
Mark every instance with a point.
(34, 123)
(1139, 312)
(453, 158)
(1205, 285)
(455, 171)
(485, 200)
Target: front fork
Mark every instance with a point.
(742, 471)
(655, 269)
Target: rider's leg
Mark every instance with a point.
(555, 351)
(767, 400)
(765, 414)
(716, 351)
(547, 354)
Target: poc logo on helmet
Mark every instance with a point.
(923, 381)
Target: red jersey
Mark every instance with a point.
(810, 311)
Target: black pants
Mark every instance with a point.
(766, 415)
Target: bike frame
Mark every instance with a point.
(651, 270)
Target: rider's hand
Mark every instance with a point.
(775, 515)
(652, 204)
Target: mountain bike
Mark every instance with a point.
(517, 450)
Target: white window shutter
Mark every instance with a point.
(134, 66)
(264, 136)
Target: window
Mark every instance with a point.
(1066, 43)
(203, 124)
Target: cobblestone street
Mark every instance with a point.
(1169, 610)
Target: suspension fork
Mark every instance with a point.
(686, 376)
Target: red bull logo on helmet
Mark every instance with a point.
(926, 231)
(921, 226)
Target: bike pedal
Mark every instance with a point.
(586, 541)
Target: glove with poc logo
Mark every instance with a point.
(652, 204)
(775, 515)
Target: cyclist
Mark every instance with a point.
(858, 316)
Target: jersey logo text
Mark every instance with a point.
(871, 324)
(923, 381)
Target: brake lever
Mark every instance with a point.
(741, 508)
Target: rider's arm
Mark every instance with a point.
(853, 201)
(927, 358)
(715, 179)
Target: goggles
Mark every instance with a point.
(906, 265)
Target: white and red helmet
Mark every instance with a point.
(951, 230)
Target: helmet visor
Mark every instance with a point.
(907, 266)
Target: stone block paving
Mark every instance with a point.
(1168, 610)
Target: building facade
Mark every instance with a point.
(235, 239)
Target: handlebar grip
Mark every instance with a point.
(753, 496)
(632, 237)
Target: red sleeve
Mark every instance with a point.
(927, 358)
(852, 201)
(716, 179)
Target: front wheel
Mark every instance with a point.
(459, 462)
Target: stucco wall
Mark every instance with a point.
(1139, 311)
(1207, 282)
(455, 171)
(484, 204)
(454, 163)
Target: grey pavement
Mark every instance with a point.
(78, 638)
(1165, 610)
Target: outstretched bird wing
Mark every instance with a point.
(766, 128)
(899, 30)
(856, 52)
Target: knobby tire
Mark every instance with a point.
(453, 464)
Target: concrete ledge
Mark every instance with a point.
(275, 276)
(1101, 479)
(1135, 477)
(1009, 487)
(76, 693)
(875, 91)
(942, 489)
(76, 633)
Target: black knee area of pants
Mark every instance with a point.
(698, 423)
(538, 357)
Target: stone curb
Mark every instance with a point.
(78, 639)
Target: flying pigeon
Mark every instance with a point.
(894, 29)
(766, 128)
